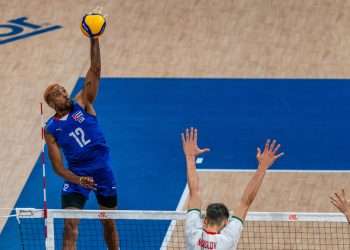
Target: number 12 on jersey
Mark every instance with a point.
(79, 136)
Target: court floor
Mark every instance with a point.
(143, 118)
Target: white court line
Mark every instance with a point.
(273, 171)
(172, 225)
(182, 199)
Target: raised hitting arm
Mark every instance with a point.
(339, 201)
(92, 80)
(265, 161)
(191, 151)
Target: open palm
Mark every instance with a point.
(189, 143)
(269, 155)
(339, 201)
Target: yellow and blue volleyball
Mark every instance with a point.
(93, 25)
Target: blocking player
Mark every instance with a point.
(74, 129)
(217, 231)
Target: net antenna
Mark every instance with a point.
(43, 170)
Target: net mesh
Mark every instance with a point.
(298, 235)
(165, 230)
(32, 233)
(134, 234)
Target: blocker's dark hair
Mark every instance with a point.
(216, 214)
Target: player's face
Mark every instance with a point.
(59, 99)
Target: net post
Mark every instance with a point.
(50, 239)
(43, 168)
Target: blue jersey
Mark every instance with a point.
(79, 136)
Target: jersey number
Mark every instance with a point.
(79, 136)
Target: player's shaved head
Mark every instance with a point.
(57, 98)
(217, 214)
(49, 90)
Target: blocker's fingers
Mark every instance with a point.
(258, 152)
(338, 197)
(191, 134)
(272, 145)
(343, 193)
(333, 199)
(279, 155)
(195, 136)
(276, 148)
(187, 134)
(183, 138)
(267, 145)
(336, 205)
(205, 150)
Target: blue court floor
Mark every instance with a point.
(143, 118)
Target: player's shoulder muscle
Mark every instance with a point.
(85, 105)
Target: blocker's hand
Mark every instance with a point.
(87, 182)
(339, 201)
(270, 154)
(189, 143)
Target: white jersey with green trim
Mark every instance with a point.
(197, 238)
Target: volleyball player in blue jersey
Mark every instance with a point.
(74, 130)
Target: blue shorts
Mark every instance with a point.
(103, 176)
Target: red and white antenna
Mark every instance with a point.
(43, 168)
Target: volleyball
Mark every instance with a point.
(93, 25)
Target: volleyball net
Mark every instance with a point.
(165, 230)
